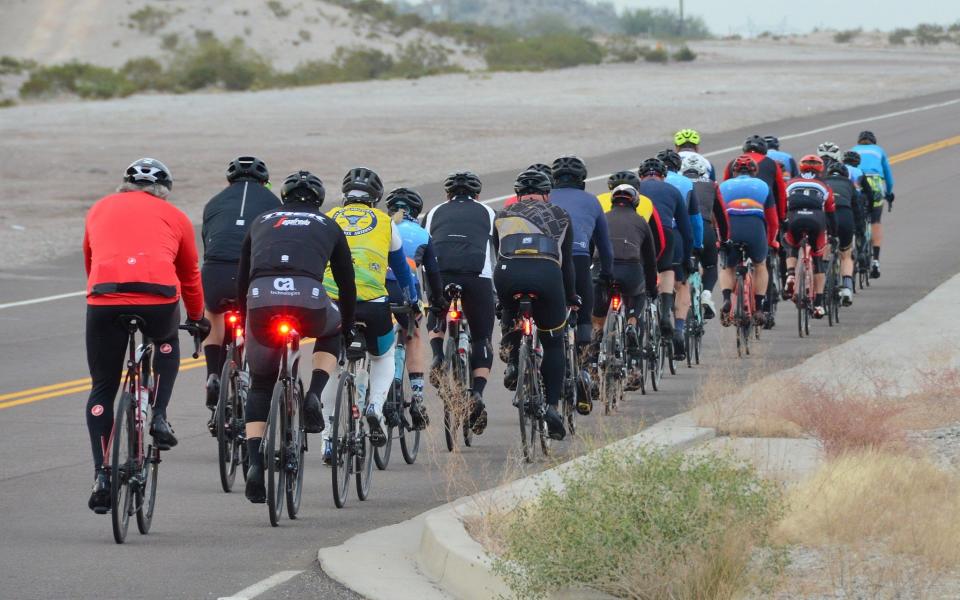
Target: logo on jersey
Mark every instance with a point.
(284, 284)
(356, 221)
(166, 349)
(296, 219)
(96, 410)
(288, 222)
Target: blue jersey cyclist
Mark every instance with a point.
(876, 167)
(786, 160)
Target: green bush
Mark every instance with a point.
(928, 34)
(651, 525)
(278, 9)
(170, 41)
(7, 103)
(656, 55)
(82, 79)
(145, 74)
(623, 49)
(210, 62)
(684, 54)
(899, 36)
(846, 36)
(417, 59)
(14, 66)
(150, 20)
(552, 51)
(662, 22)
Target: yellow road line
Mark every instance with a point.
(917, 152)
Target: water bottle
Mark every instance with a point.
(361, 382)
(400, 361)
(143, 399)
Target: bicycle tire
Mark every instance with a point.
(688, 335)
(227, 463)
(655, 350)
(381, 455)
(739, 315)
(521, 398)
(800, 294)
(364, 462)
(341, 460)
(297, 440)
(273, 456)
(463, 387)
(123, 464)
(828, 292)
(408, 448)
(450, 421)
(610, 333)
(808, 284)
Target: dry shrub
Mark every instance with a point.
(935, 401)
(875, 499)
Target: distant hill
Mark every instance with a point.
(601, 16)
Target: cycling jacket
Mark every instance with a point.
(746, 197)
(770, 172)
(139, 250)
(674, 212)
(708, 197)
(684, 185)
(845, 195)
(649, 213)
(589, 225)
(632, 242)
(462, 232)
(418, 249)
(227, 218)
(788, 165)
(874, 161)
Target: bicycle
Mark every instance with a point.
(743, 308)
(864, 257)
(135, 469)
(611, 360)
(572, 382)
(350, 441)
(834, 283)
(458, 378)
(693, 332)
(228, 415)
(284, 438)
(651, 344)
(396, 401)
(774, 288)
(803, 295)
(529, 398)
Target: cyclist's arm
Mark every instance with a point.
(432, 271)
(649, 256)
(188, 271)
(397, 260)
(696, 219)
(659, 240)
(341, 265)
(780, 192)
(601, 237)
(830, 207)
(887, 173)
(566, 265)
(87, 252)
(683, 224)
(772, 218)
(857, 210)
(794, 170)
(720, 217)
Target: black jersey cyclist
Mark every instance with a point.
(226, 220)
(534, 240)
(462, 233)
(849, 218)
(282, 264)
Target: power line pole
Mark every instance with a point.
(681, 18)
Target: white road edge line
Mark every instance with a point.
(600, 177)
(261, 586)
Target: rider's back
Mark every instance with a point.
(584, 211)
(227, 218)
(292, 241)
(461, 231)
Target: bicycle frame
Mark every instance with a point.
(529, 396)
(459, 375)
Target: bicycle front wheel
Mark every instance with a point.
(273, 455)
(341, 461)
(124, 467)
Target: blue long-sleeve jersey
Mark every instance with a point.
(684, 185)
(672, 209)
(589, 224)
(874, 161)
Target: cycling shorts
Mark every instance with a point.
(751, 231)
(219, 286)
(377, 322)
(671, 241)
(876, 214)
(845, 227)
(538, 277)
(477, 299)
(630, 278)
(811, 222)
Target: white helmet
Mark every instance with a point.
(695, 167)
(147, 171)
(830, 150)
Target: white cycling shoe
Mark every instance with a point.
(709, 308)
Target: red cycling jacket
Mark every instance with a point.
(140, 250)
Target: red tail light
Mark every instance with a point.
(284, 328)
(615, 302)
(238, 332)
(527, 326)
(454, 314)
(233, 318)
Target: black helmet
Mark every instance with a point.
(147, 171)
(569, 170)
(462, 182)
(623, 177)
(772, 141)
(625, 194)
(302, 186)
(247, 167)
(866, 136)
(671, 159)
(652, 166)
(755, 143)
(851, 158)
(837, 168)
(405, 198)
(545, 169)
(532, 181)
(362, 179)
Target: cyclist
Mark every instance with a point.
(462, 232)
(876, 167)
(768, 170)
(140, 257)
(405, 205)
(787, 163)
(749, 204)
(589, 230)
(545, 169)
(686, 143)
(282, 264)
(848, 216)
(534, 241)
(644, 207)
(865, 193)
(829, 152)
(707, 196)
(375, 244)
(679, 236)
(634, 265)
(810, 210)
(226, 220)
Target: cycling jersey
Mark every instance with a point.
(139, 250)
(684, 185)
(844, 192)
(809, 194)
(649, 213)
(746, 197)
(589, 225)
(771, 173)
(462, 230)
(633, 243)
(673, 211)
(685, 153)
(874, 161)
(227, 217)
(418, 248)
(710, 201)
(375, 245)
(788, 165)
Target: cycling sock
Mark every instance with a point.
(382, 370)
(479, 383)
(818, 300)
(876, 253)
(211, 354)
(679, 325)
(436, 344)
(759, 300)
(318, 381)
(847, 281)
(726, 294)
(328, 400)
(791, 271)
(416, 385)
(253, 452)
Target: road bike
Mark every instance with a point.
(573, 384)
(457, 379)
(132, 461)
(529, 396)
(774, 287)
(863, 257)
(228, 415)
(743, 306)
(653, 350)
(351, 453)
(804, 294)
(398, 404)
(693, 331)
(612, 358)
(284, 438)
(833, 284)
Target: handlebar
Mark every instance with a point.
(194, 331)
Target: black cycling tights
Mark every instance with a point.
(106, 355)
(709, 257)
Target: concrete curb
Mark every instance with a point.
(432, 556)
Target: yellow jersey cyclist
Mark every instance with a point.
(375, 244)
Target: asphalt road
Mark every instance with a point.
(206, 544)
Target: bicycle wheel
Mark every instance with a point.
(226, 449)
(688, 335)
(341, 462)
(609, 366)
(450, 420)
(124, 468)
(800, 294)
(641, 361)
(829, 289)
(296, 444)
(739, 316)
(462, 373)
(381, 456)
(808, 296)
(364, 461)
(273, 455)
(146, 498)
(654, 351)
(409, 438)
(521, 398)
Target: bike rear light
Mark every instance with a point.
(454, 314)
(615, 302)
(233, 318)
(284, 328)
(238, 332)
(527, 325)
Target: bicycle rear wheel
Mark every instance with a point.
(740, 316)
(688, 333)
(521, 397)
(450, 401)
(608, 375)
(341, 463)
(654, 351)
(227, 450)
(296, 444)
(273, 455)
(462, 373)
(381, 456)
(829, 290)
(124, 467)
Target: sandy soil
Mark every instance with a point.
(59, 157)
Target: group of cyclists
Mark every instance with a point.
(337, 272)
